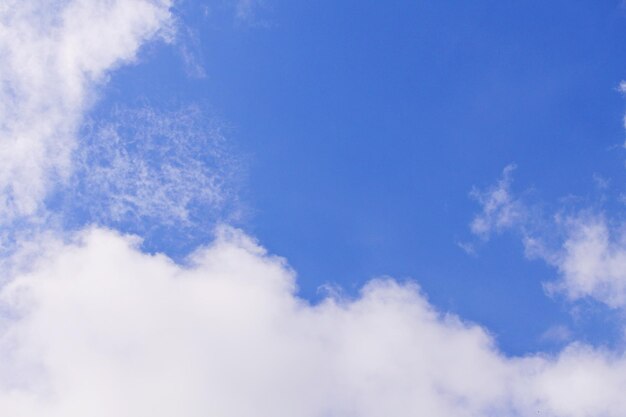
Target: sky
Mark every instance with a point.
(324, 209)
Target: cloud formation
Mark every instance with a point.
(98, 328)
(55, 53)
(92, 326)
(145, 167)
(499, 209)
(591, 261)
(587, 248)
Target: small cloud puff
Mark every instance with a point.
(500, 210)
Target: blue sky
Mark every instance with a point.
(365, 125)
(326, 208)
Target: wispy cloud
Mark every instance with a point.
(190, 51)
(143, 168)
(54, 55)
(500, 210)
(587, 248)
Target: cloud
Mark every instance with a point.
(587, 248)
(96, 327)
(591, 260)
(92, 326)
(499, 210)
(54, 56)
(189, 48)
(557, 334)
(145, 169)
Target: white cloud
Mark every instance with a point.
(587, 249)
(97, 328)
(591, 260)
(94, 327)
(54, 54)
(588, 252)
(145, 167)
(499, 210)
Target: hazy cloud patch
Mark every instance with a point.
(143, 168)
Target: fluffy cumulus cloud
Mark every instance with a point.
(96, 327)
(591, 261)
(54, 53)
